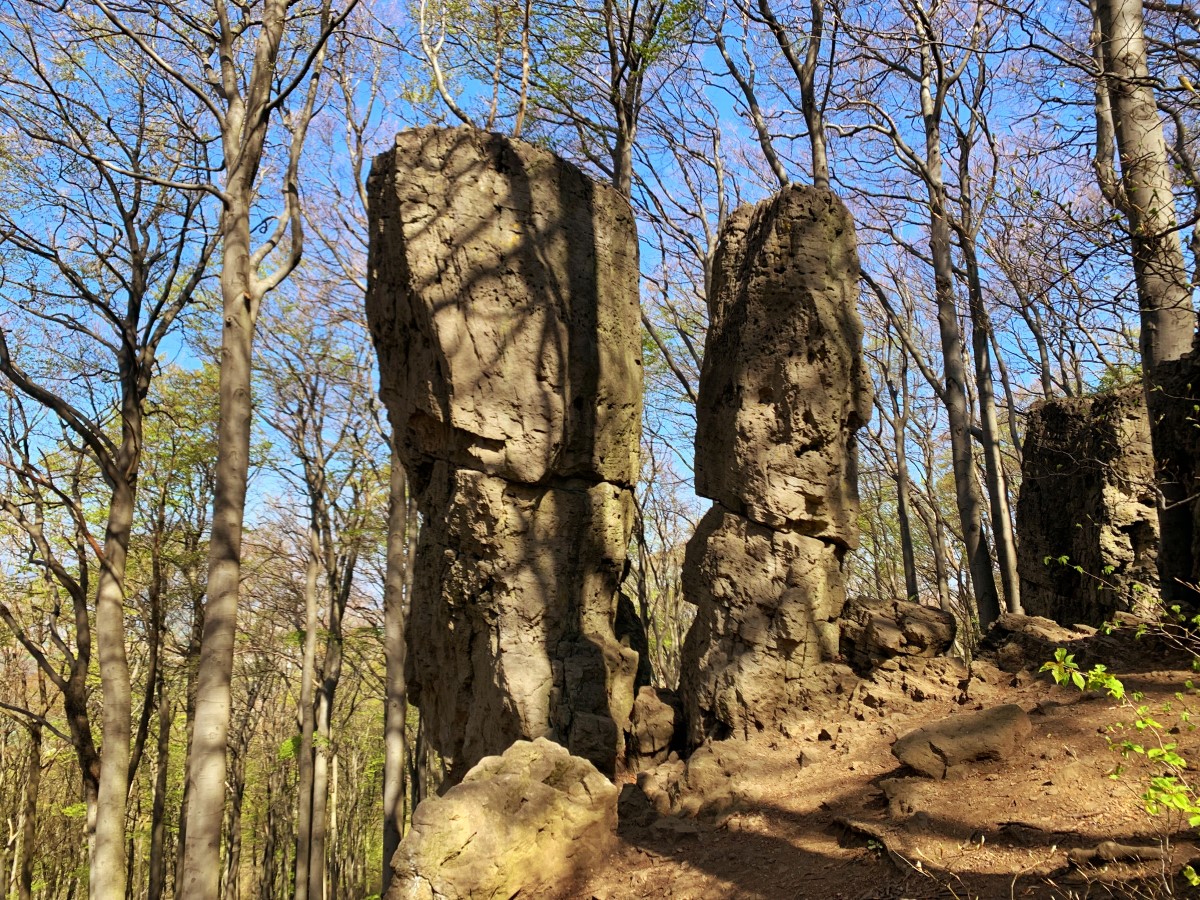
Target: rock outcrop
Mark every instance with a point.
(517, 823)
(875, 631)
(1087, 525)
(655, 728)
(707, 785)
(503, 302)
(988, 735)
(782, 392)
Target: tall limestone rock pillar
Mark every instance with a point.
(1087, 522)
(503, 301)
(782, 392)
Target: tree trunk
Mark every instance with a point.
(206, 767)
(189, 719)
(899, 419)
(395, 710)
(1164, 292)
(158, 812)
(33, 778)
(316, 861)
(107, 876)
(304, 758)
(993, 463)
(339, 574)
(958, 414)
(230, 880)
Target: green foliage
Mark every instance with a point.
(1117, 376)
(290, 748)
(1168, 792)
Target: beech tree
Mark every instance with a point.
(269, 57)
(104, 255)
(1127, 116)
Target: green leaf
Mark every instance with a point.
(290, 748)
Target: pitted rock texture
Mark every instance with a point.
(517, 823)
(504, 306)
(503, 301)
(873, 631)
(1087, 500)
(783, 388)
(657, 720)
(782, 392)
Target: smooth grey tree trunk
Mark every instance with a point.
(33, 778)
(249, 101)
(158, 812)
(899, 422)
(958, 414)
(395, 737)
(206, 769)
(108, 870)
(993, 463)
(320, 799)
(304, 758)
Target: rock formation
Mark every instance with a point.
(938, 749)
(782, 392)
(875, 631)
(516, 824)
(503, 301)
(1087, 525)
(655, 726)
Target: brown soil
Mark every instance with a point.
(811, 818)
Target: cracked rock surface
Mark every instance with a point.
(503, 301)
(517, 824)
(782, 392)
(1086, 517)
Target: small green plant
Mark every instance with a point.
(1169, 792)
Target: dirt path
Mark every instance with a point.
(811, 816)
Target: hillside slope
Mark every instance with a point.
(826, 810)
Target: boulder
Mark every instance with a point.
(503, 302)
(708, 785)
(875, 631)
(524, 822)
(782, 392)
(656, 726)
(1023, 643)
(991, 734)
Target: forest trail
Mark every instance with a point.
(812, 817)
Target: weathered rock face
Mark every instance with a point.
(872, 632)
(782, 392)
(1087, 494)
(938, 750)
(526, 820)
(783, 388)
(503, 302)
(655, 726)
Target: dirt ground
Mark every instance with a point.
(810, 815)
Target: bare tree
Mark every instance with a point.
(117, 253)
(249, 67)
(916, 51)
(1127, 115)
